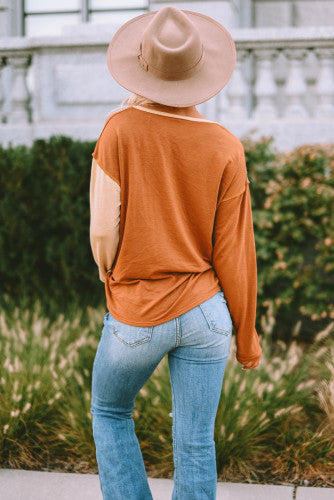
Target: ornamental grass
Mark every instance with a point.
(275, 424)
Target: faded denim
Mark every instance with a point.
(198, 345)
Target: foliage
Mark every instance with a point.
(44, 235)
(293, 200)
(274, 424)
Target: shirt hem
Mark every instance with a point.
(181, 311)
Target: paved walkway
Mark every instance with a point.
(36, 485)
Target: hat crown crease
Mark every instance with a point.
(171, 45)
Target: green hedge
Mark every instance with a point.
(44, 234)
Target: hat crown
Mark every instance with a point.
(171, 56)
(171, 47)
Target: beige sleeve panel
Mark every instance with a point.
(105, 203)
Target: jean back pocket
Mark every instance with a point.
(217, 314)
(130, 335)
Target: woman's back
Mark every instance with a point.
(174, 173)
(170, 171)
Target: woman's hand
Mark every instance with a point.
(250, 364)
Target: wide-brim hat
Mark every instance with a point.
(174, 57)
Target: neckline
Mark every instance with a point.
(172, 115)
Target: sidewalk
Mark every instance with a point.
(37, 485)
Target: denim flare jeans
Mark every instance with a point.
(198, 345)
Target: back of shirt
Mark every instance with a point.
(185, 223)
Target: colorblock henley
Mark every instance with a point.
(171, 220)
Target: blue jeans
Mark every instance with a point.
(198, 345)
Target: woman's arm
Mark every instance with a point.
(105, 203)
(234, 261)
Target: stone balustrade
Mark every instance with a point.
(283, 85)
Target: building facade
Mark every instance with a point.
(54, 78)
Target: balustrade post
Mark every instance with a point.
(238, 89)
(20, 97)
(265, 88)
(2, 64)
(325, 83)
(295, 87)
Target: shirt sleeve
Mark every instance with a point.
(106, 151)
(105, 203)
(234, 261)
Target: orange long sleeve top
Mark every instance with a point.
(171, 220)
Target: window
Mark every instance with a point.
(47, 17)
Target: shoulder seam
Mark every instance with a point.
(105, 171)
(110, 117)
(236, 195)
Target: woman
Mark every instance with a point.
(172, 234)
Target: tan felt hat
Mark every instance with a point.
(174, 57)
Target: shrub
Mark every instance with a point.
(44, 238)
(293, 201)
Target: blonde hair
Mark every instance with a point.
(136, 100)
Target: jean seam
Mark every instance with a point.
(178, 332)
(198, 361)
(174, 439)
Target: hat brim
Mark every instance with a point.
(218, 63)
